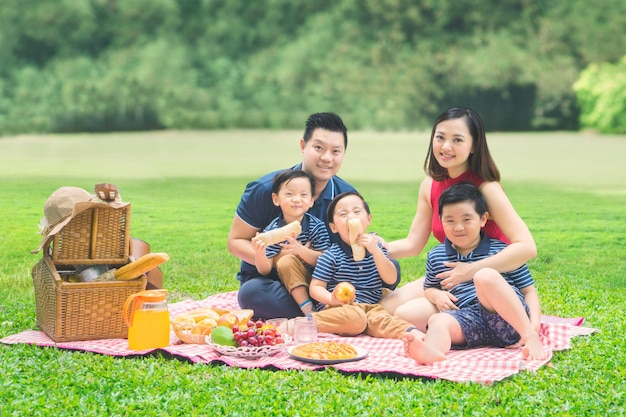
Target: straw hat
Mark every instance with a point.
(62, 206)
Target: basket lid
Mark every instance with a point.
(63, 205)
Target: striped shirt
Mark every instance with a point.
(337, 265)
(313, 230)
(466, 291)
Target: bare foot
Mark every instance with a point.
(417, 349)
(533, 349)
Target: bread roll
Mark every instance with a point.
(355, 228)
(278, 235)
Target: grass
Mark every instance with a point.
(184, 186)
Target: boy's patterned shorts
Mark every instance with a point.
(483, 328)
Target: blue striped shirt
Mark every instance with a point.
(313, 230)
(337, 265)
(466, 291)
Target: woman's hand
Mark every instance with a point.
(460, 272)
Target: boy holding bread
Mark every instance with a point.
(290, 245)
(358, 260)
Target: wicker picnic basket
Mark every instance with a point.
(83, 232)
(100, 235)
(72, 311)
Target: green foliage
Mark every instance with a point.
(386, 64)
(601, 93)
(580, 233)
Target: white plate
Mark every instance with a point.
(361, 353)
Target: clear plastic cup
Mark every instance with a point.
(305, 330)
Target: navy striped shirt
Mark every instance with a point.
(337, 265)
(313, 230)
(466, 291)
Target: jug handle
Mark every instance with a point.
(131, 299)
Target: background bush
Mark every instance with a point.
(601, 92)
(97, 65)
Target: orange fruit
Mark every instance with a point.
(228, 320)
(204, 327)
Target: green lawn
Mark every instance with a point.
(184, 186)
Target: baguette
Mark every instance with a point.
(135, 269)
(142, 265)
(274, 236)
(355, 228)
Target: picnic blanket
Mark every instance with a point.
(385, 356)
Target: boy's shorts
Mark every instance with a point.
(483, 328)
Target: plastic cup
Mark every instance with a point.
(305, 330)
(279, 324)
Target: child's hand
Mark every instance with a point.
(291, 246)
(334, 301)
(258, 244)
(368, 241)
(444, 301)
(382, 241)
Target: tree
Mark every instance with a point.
(601, 94)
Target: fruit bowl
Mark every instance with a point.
(249, 352)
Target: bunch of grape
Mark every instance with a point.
(257, 333)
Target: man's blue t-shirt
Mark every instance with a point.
(257, 209)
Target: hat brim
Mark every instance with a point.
(78, 208)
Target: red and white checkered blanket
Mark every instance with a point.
(385, 356)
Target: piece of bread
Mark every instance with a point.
(272, 237)
(142, 265)
(355, 228)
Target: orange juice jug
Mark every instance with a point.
(148, 320)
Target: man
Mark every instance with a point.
(323, 146)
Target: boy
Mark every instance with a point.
(495, 309)
(294, 259)
(337, 265)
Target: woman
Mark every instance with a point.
(458, 152)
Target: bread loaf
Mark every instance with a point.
(355, 228)
(142, 265)
(274, 236)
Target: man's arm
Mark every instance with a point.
(239, 240)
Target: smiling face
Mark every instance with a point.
(349, 207)
(452, 146)
(322, 155)
(294, 198)
(462, 224)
